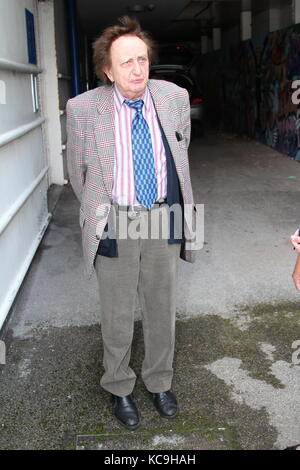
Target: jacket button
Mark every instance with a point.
(97, 237)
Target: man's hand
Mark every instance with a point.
(296, 273)
(295, 239)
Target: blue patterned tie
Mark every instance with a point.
(143, 157)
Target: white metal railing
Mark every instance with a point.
(16, 206)
(18, 132)
(18, 67)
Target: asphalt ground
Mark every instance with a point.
(237, 376)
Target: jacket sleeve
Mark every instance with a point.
(186, 119)
(75, 152)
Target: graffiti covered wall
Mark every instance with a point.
(248, 89)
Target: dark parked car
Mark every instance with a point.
(175, 66)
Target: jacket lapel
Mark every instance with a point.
(165, 115)
(104, 129)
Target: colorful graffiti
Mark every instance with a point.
(252, 83)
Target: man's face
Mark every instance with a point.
(129, 66)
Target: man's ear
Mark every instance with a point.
(107, 72)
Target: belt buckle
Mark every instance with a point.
(161, 201)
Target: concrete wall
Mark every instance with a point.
(50, 92)
(63, 69)
(231, 36)
(261, 23)
(272, 19)
(286, 13)
(247, 89)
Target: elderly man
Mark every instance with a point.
(127, 154)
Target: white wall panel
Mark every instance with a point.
(20, 163)
(23, 165)
(18, 244)
(13, 28)
(19, 107)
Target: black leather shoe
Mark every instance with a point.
(166, 404)
(125, 411)
(296, 447)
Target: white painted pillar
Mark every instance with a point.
(246, 25)
(49, 92)
(216, 38)
(204, 44)
(296, 11)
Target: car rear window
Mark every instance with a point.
(176, 78)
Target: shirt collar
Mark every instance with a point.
(119, 99)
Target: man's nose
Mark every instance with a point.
(137, 68)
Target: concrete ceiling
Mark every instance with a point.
(170, 20)
(94, 15)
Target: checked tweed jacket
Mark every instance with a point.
(91, 156)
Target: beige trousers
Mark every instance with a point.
(147, 267)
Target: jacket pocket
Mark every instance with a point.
(182, 144)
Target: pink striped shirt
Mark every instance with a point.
(124, 187)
